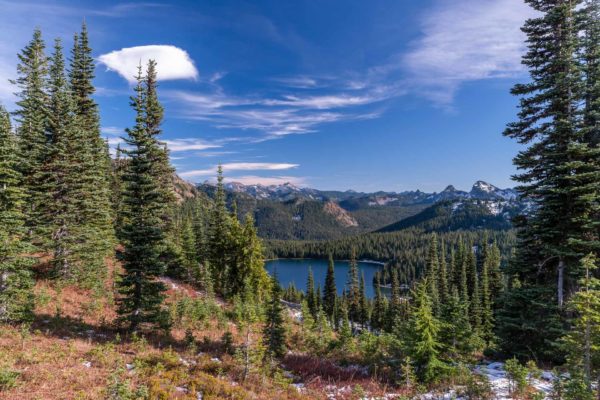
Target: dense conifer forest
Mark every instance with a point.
(115, 285)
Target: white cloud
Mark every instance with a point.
(112, 130)
(239, 166)
(176, 145)
(466, 40)
(322, 102)
(172, 62)
(267, 180)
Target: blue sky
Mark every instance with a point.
(379, 95)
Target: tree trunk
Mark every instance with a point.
(561, 282)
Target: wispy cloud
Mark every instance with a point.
(172, 62)
(177, 145)
(268, 180)
(239, 166)
(466, 40)
(112, 130)
(281, 115)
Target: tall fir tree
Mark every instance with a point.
(141, 292)
(330, 291)
(353, 289)
(582, 343)
(423, 342)
(32, 117)
(551, 166)
(218, 242)
(274, 330)
(433, 271)
(444, 287)
(96, 211)
(311, 293)
(16, 283)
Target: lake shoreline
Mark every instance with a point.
(312, 258)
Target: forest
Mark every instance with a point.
(115, 286)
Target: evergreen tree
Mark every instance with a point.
(379, 309)
(395, 306)
(218, 235)
(16, 283)
(457, 335)
(424, 345)
(487, 302)
(32, 116)
(583, 340)
(141, 292)
(251, 263)
(363, 314)
(552, 165)
(353, 293)
(311, 294)
(433, 271)
(330, 292)
(444, 284)
(188, 247)
(274, 329)
(95, 209)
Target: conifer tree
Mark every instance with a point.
(141, 292)
(551, 165)
(251, 263)
(311, 294)
(16, 283)
(32, 116)
(444, 288)
(487, 305)
(218, 242)
(395, 306)
(330, 292)
(274, 329)
(583, 340)
(379, 309)
(433, 274)
(95, 211)
(353, 286)
(363, 314)
(457, 335)
(424, 345)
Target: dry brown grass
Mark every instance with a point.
(74, 351)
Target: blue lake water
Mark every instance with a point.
(296, 271)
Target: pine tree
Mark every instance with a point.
(395, 307)
(457, 335)
(379, 309)
(16, 283)
(424, 345)
(330, 292)
(218, 243)
(251, 264)
(95, 209)
(363, 314)
(433, 271)
(188, 247)
(274, 329)
(444, 284)
(487, 302)
(353, 286)
(551, 166)
(141, 292)
(311, 294)
(583, 340)
(32, 116)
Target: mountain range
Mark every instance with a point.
(289, 212)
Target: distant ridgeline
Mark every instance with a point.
(287, 212)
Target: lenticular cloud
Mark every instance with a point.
(172, 62)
